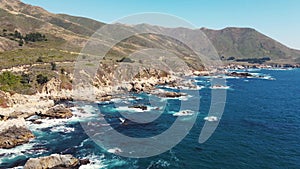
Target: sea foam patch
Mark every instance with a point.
(10, 154)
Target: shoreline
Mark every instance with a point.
(53, 95)
(41, 103)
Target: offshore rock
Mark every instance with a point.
(53, 161)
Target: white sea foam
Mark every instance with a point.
(79, 114)
(63, 129)
(126, 108)
(115, 150)
(253, 70)
(219, 87)
(184, 113)
(183, 98)
(185, 87)
(230, 77)
(19, 167)
(268, 78)
(211, 118)
(125, 99)
(161, 163)
(138, 110)
(283, 69)
(18, 151)
(82, 113)
(116, 100)
(96, 162)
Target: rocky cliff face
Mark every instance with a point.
(4, 101)
(25, 104)
(14, 132)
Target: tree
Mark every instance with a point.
(53, 66)
(21, 42)
(18, 35)
(35, 37)
(4, 32)
(41, 79)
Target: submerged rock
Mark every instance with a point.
(58, 111)
(242, 74)
(171, 94)
(13, 133)
(54, 161)
(142, 107)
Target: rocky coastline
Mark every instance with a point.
(16, 109)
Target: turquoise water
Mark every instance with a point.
(260, 128)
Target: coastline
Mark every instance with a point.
(22, 107)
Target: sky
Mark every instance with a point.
(278, 19)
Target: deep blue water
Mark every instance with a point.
(260, 128)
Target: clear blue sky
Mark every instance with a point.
(279, 19)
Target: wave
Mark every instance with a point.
(79, 114)
(159, 164)
(96, 162)
(219, 87)
(138, 110)
(184, 87)
(62, 129)
(24, 150)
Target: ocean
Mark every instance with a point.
(260, 128)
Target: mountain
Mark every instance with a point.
(244, 43)
(28, 32)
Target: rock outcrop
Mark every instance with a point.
(142, 107)
(14, 132)
(56, 89)
(201, 73)
(4, 101)
(24, 105)
(241, 74)
(58, 111)
(53, 161)
(171, 94)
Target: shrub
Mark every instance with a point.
(25, 79)
(8, 78)
(41, 79)
(40, 59)
(21, 42)
(62, 71)
(11, 83)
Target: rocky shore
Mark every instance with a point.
(15, 109)
(55, 161)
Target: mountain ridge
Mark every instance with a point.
(70, 33)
